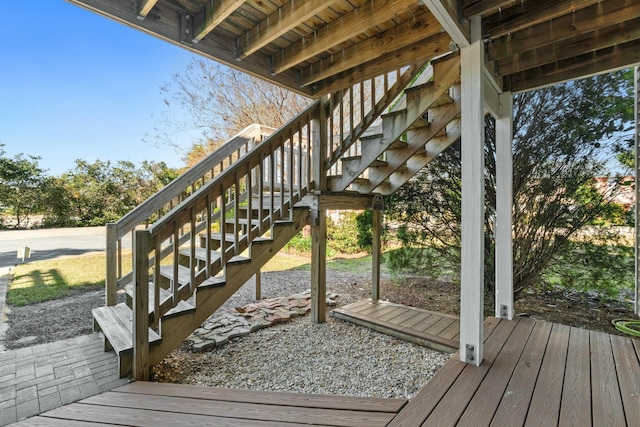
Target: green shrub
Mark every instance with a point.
(603, 269)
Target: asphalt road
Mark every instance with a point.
(51, 243)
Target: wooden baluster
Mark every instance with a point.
(192, 253)
(236, 210)
(156, 282)
(223, 230)
(141, 306)
(176, 255)
(207, 245)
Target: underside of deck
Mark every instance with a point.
(427, 328)
(534, 373)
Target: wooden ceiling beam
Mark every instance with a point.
(213, 15)
(446, 12)
(608, 59)
(596, 40)
(471, 8)
(420, 28)
(357, 21)
(528, 13)
(582, 21)
(279, 22)
(417, 52)
(144, 7)
(166, 26)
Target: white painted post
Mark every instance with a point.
(637, 182)
(504, 209)
(472, 265)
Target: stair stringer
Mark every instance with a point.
(416, 140)
(176, 328)
(433, 148)
(394, 125)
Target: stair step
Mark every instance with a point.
(184, 275)
(375, 164)
(164, 295)
(371, 136)
(201, 254)
(182, 307)
(213, 282)
(116, 323)
(397, 145)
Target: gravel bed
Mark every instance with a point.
(336, 357)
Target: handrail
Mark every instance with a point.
(175, 188)
(164, 199)
(224, 178)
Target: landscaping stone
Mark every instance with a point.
(218, 329)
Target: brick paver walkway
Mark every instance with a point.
(46, 376)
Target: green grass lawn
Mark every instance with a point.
(46, 280)
(40, 281)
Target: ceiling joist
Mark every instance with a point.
(344, 28)
(144, 7)
(582, 21)
(280, 22)
(426, 49)
(528, 13)
(597, 40)
(213, 15)
(396, 38)
(585, 65)
(471, 8)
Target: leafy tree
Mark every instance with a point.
(564, 136)
(99, 192)
(219, 102)
(20, 191)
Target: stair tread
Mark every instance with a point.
(201, 253)
(116, 323)
(213, 282)
(164, 294)
(184, 275)
(180, 308)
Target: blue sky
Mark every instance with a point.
(74, 84)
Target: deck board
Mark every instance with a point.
(435, 330)
(534, 373)
(157, 404)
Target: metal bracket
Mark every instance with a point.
(504, 311)
(187, 28)
(471, 353)
(378, 203)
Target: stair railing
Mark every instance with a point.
(269, 180)
(352, 111)
(245, 200)
(119, 271)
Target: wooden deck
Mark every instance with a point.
(534, 373)
(157, 404)
(435, 330)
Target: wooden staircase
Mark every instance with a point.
(408, 138)
(215, 226)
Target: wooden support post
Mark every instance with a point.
(141, 244)
(319, 217)
(319, 267)
(258, 290)
(472, 265)
(504, 209)
(376, 251)
(111, 282)
(637, 142)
